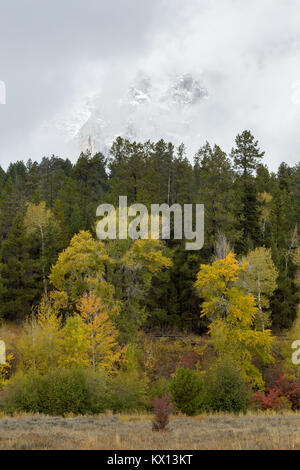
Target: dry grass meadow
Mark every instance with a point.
(120, 432)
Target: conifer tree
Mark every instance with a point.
(19, 284)
(215, 190)
(246, 157)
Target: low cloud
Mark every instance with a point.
(55, 54)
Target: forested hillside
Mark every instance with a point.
(43, 205)
(91, 325)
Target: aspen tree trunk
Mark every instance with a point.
(259, 303)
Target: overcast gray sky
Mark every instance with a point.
(248, 55)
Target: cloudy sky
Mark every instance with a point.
(247, 54)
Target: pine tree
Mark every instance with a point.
(90, 176)
(128, 172)
(215, 190)
(246, 156)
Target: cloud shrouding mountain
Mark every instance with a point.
(80, 73)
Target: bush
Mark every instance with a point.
(225, 390)
(56, 393)
(285, 394)
(272, 400)
(162, 410)
(187, 391)
(78, 391)
(127, 392)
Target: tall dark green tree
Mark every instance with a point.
(214, 180)
(127, 168)
(246, 157)
(19, 280)
(90, 177)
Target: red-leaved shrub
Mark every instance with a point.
(162, 410)
(284, 394)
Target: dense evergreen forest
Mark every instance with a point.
(43, 205)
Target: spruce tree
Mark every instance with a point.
(19, 284)
(214, 177)
(246, 157)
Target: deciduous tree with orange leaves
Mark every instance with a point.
(103, 348)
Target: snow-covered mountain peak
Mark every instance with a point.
(151, 108)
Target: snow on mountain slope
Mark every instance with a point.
(150, 109)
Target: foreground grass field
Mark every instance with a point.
(252, 431)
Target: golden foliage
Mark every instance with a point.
(232, 312)
(259, 279)
(37, 216)
(40, 345)
(80, 268)
(102, 335)
(147, 254)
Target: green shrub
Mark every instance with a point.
(77, 391)
(97, 385)
(19, 395)
(56, 393)
(225, 389)
(187, 391)
(127, 391)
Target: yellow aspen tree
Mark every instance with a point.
(265, 201)
(136, 264)
(37, 217)
(147, 255)
(259, 279)
(40, 347)
(232, 313)
(80, 268)
(104, 350)
(75, 343)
